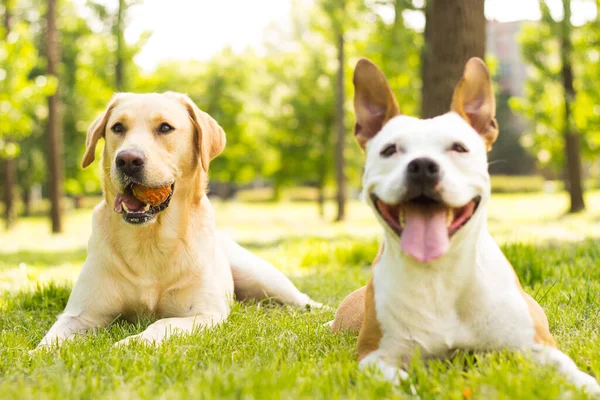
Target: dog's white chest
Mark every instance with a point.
(418, 316)
(442, 310)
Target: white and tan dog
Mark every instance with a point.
(440, 283)
(164, 260)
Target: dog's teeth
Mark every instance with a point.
(449, 217)
(147, 207)
(124, 207)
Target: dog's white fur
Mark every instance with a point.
(469, 299)
(177, 268)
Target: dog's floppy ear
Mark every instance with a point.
(374, 102)
(209, 134)
(96, 131)
(474, 100)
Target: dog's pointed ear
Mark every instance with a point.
(96, 131)
(474, 100)
(374, 102)
(210, 137)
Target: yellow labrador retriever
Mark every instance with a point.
(164, 260)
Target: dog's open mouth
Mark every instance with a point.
(134, 210)
(425, 225)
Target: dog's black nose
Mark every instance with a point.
(130, 162)
(423, 170)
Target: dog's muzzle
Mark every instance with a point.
(134, 210)
(421, 219)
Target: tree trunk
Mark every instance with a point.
(55, 165)
(341, 132)
(321, 189)
(10, 170)
(455, 32)
(26, 201)
(426, 41)
(119, 32)
(9, 192)
(321, 201)
(398, 22)
(77, 202)
(572, 138)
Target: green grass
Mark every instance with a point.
(264, 351)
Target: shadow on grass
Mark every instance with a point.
(42, 258)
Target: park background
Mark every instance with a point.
(276, 74)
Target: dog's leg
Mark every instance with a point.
(546, 355)
(88, 308)
(255, 278)
(66, 327)
(165, 328)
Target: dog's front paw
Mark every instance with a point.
(47, 343)
(317, 305)
(134, 339)
(40, 348)
(152, 336)
(588, 383)
(304, 301)
(390, 372)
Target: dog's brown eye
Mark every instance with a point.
(459, 148)
(165, 128)
(388, 150)
(118, 128)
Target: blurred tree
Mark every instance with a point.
(55, 144)
(228, 97)
(397, 50)
(572, 137)
(455, 32)
(337, 12)
(300, 90)
(342, 18)
(9, 163)
(508, 156)
(22, 95)
(115, 22)
(82, 92)
(562, 58)
(119, 32)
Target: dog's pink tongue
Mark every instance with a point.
(131, 203)
(424, 235)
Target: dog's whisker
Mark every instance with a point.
(497, 162)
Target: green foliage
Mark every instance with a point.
(277, 107)
(22, 95)
(508, 156)
(226, 87)
(543, 103)
(301, 118)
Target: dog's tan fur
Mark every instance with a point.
(351, 312)
(370, 331)
(176, 268)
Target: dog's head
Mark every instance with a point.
(155, 141)
(425, 178)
